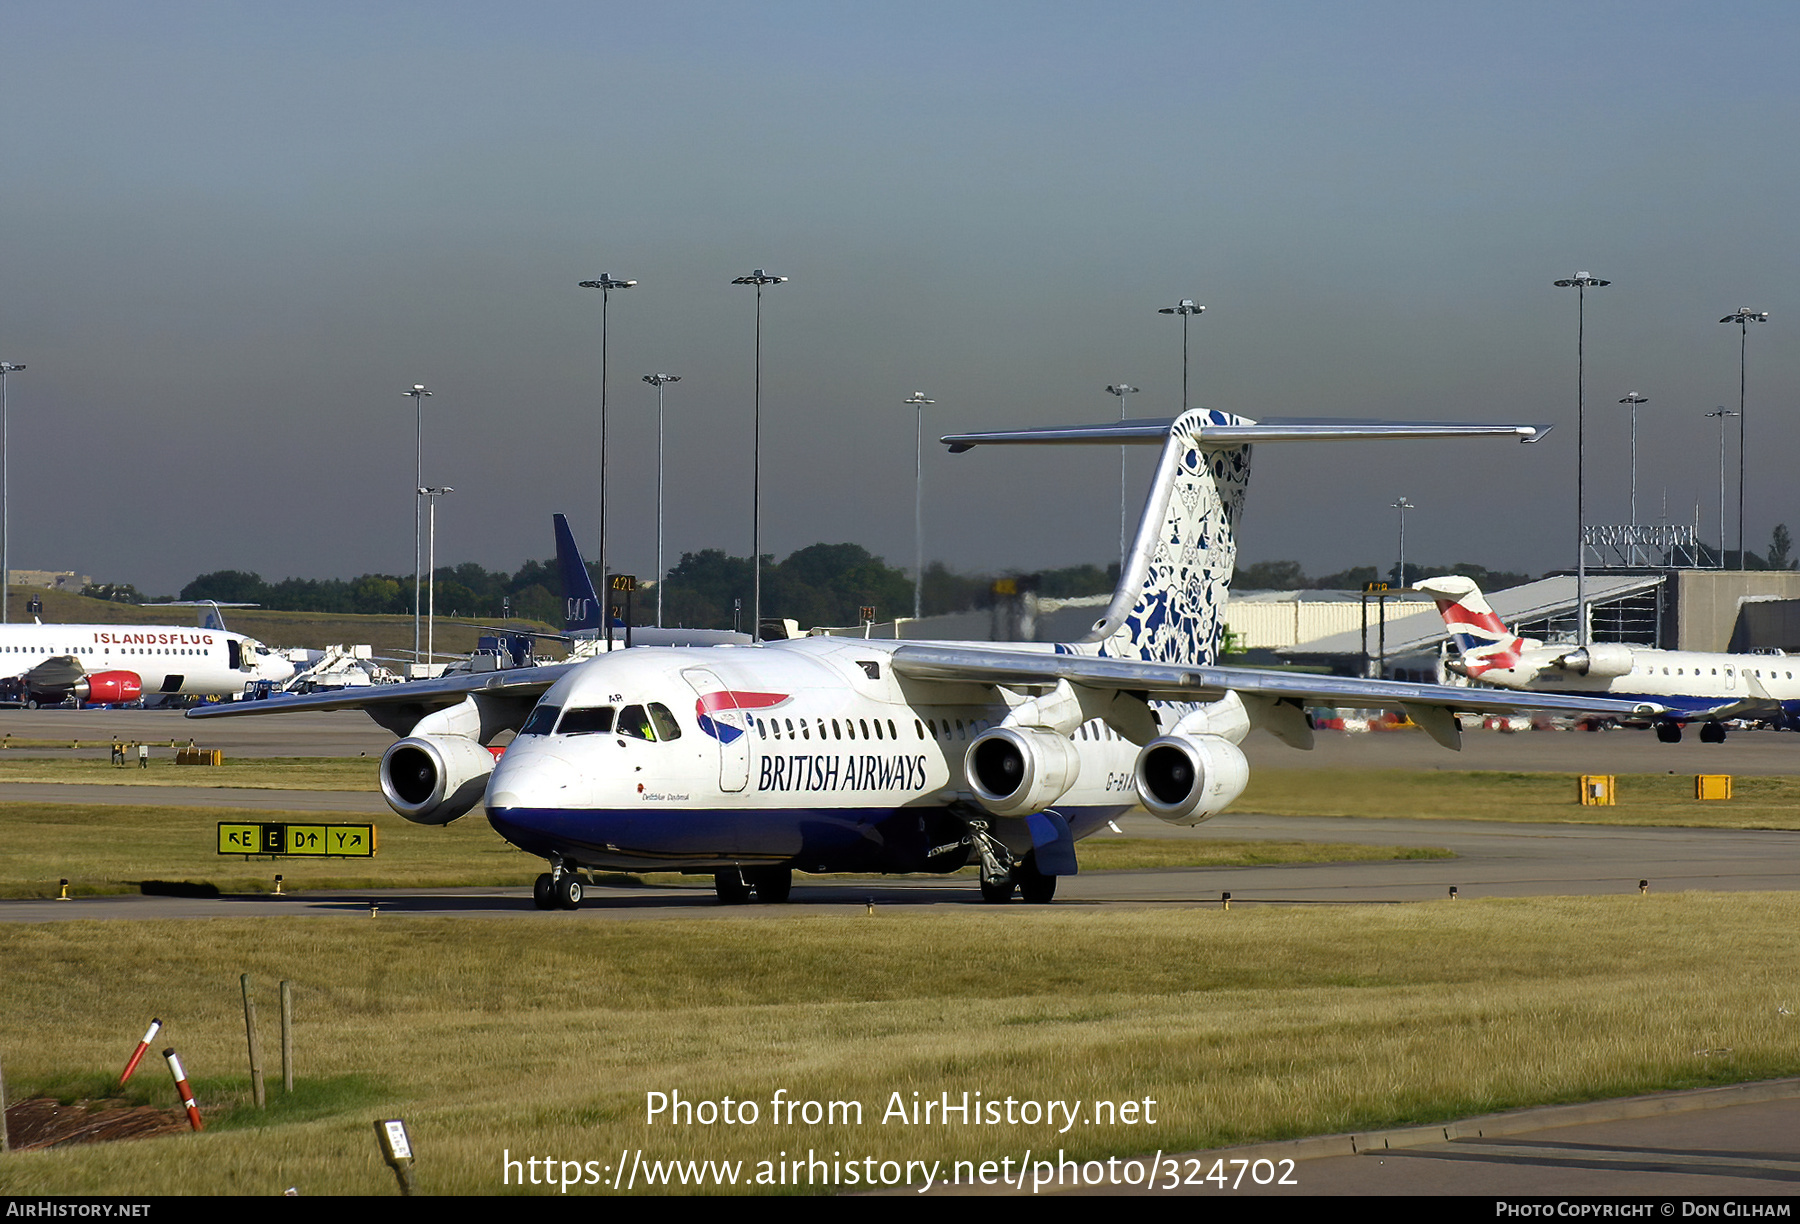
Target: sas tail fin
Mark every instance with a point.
(1170, 603)
(1482, 641)
(582, 609)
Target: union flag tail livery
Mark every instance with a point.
(1484, 643)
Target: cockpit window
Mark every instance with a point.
(590, 721)
(542, 720)
(666, 726)
(635, 723)
(654, 723)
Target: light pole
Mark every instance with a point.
(1186, 309)
(759, 278)
(659, 381)
(1722, 412)
(1581, 282)
(1121, 390)
(6, 367)
(431, 495)
(419, 395)
(1743, 316)
(1634, 399)
(918, 401)
(606, 284)
(1402, 506)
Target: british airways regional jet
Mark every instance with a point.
(827, 754)
(1697, 686)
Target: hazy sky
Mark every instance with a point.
(233, 235)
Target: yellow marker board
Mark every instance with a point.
(298, 840)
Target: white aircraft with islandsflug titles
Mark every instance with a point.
(830, 754)
(120, 664)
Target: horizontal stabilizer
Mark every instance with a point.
(1243, 432)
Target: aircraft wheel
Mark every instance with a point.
(568, 892)
(1712, 733)
(999, 892)
(1668, 732)
(543, 893)
(1035, 888)
(773, 884)
(732, 888)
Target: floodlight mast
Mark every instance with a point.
(918, 401)
(1186, 309)
(759, 278)
(1121, 390)
(1743, 316)
(1400, 572)
(6, 367)
(419, 396)
(659, 381)
(606, 284)
(1581, 282)
(431, 495)
(1722, 412)
(1634, 399)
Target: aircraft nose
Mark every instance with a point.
(530, 777)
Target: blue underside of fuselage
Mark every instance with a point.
(1683, 708)
(808, 839)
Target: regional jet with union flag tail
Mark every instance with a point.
(829, 754)
(1697, 686)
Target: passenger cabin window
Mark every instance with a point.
(542, 720)
(594, 720)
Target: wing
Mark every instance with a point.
(424, 696)
(1432, 706)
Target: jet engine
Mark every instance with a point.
(1184, 779)
(1015, 771)
(1602, 660)
(109, 687)
(433, 779)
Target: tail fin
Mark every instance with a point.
(582, 609)
(1170, 603)
(1483, 642)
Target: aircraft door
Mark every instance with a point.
(726, 724)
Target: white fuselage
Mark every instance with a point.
(167, 659)
(834, 756)
(1682, 679)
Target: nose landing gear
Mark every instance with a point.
(557, 888)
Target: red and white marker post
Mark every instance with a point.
(149, 1036)
(182, 1089)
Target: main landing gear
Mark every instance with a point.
(1001, 872)
(1712, 733)
(1668, 732)
(770, 884)
(558, 888)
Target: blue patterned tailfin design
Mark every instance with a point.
(582, 608)
(1170, 604)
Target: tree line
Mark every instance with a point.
(822, 584)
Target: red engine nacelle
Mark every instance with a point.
(109, 688)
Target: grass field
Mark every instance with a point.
(111, 848)
(542, 1038)
(258, 773)
(1643, 799)
(389, 635)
